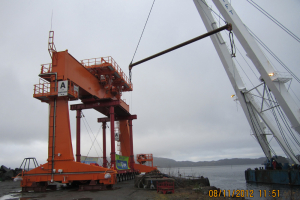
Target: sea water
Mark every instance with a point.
(231, 178)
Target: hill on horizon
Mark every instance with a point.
(169, 163)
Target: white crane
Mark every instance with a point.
(271, 80)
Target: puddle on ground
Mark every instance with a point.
(19, 197)
(9, 197)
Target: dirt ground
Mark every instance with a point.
(123, 190)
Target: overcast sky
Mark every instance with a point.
(182, 99)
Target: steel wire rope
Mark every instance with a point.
(253, 72)
(289, 131)
(295, 94)
(283, 118)
(279, 126)
(213, 11)
(231, 48)
(285, 121)
(272, 54)
(292, 141)
(244, 72)
(267, 100)
(265, 47)
(273, 65)
(140, 39)
(263, 138)
(51, 20)
(216, 17)
(253, 120)
(293, 136)
(249, 80)
(131, 103)
(247, 63)
(93, 133)
(274, 20)
(296, 103)
(91, 141)
(212, 15)
(241, 66)
(84, 122)
(96, 139)
(252, 136)
(290, 88)
(276, 58)
(271, 139)
(261, 130)
(277, 122)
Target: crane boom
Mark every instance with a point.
(256, 119)
(273, 79)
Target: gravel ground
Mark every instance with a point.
(123, 190)
(7, 187)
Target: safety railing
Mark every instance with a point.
(280, 76)
(103, 60)
(46, 68)
(42, 88)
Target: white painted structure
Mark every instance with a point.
(270, 79)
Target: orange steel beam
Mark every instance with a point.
(112, 138)
(94, 105)
(61, 166)
(101, 92)
(118, 118)
(68, 68)
(78, 116)
(104, 144)
(131, 145)
(126, 136)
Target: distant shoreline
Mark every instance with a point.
(170, 163)
(211, 165)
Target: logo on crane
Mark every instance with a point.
(62, 88)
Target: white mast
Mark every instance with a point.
(257, 119)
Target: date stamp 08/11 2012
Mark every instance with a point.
(243, 193)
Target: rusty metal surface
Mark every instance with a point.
(226, 27)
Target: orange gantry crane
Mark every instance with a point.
(98, 83)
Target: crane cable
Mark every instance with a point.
(279, 126)
(95, 137)
(257, 129)
(140, 39)
(213, 11)
(273, 55)
(274, 20)
(85, 122)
